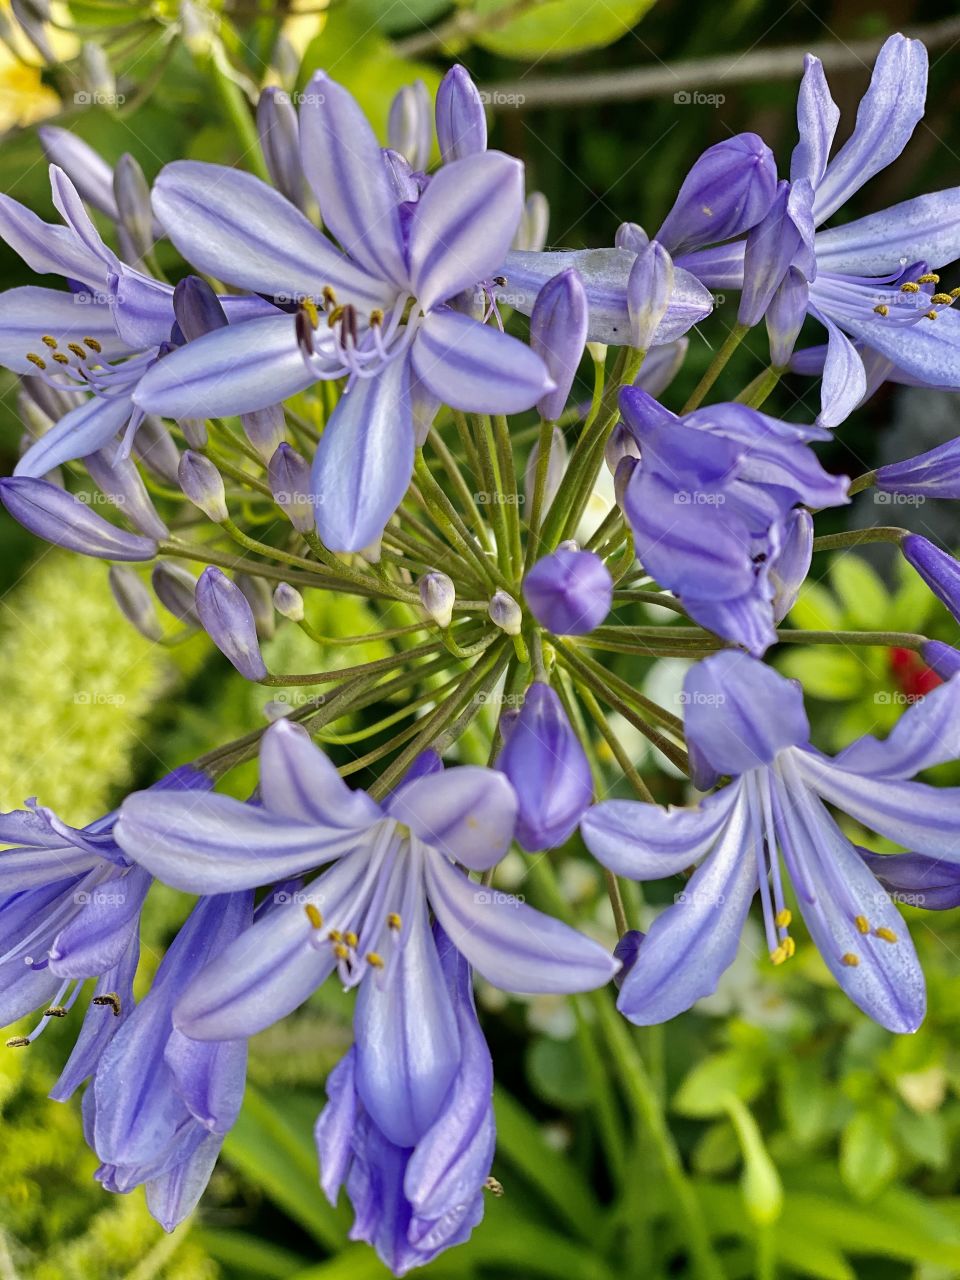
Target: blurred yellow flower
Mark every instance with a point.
(24, 98)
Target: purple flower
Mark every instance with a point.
(393, 334)
(226, 616)
(569, 592)
(649, 290)
(160, 1104)
(942, 658)
(711, 507)
(934, 474)
(70, 911)
(859, 288)
(727, 191)
(413, 1202)
(410, 125)
(57, 516)
(461, 122)
(558, 333)
(744, 720)
(549, 771)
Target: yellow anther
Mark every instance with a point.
(37, 360)
(314, 916)
(334, 316)
(910, 287)
(779, 955)
(351, 939)
(309, 307)
(942, 299)
(77, 350)
(329, 297)
(18, 1042)
(112, 999)
(394, 921)
(931, 315)
(862, 923)
(49, 341)
(494, 1186)
(375, 960)
(784, 918)
(335, 935)
(376, 316)
(882, 309)
(340, 951)
(789, 946)
(929, 278)
(93, 344)
(850, 960)
(886, 934)
(61, 358)
(55, 1011)
(955, 293)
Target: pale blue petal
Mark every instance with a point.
(645, 842)
(467, 813)
(926, 229)
(84, 430)
(475, 367)
(30, 313)
(299, 782)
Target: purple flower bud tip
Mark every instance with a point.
(649, 289)
(939, 570)
(288, 475)
(627, 951)
(197, 308)
(58, 517)
(202, 483)
(437, 595)
(134, 601)
(548, 769)
(505, 613)
(461, 122)
(558, 332)
(227, 618)
(569, 592)
(288, 602)
(941, 658)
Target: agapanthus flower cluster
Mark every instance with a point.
(387, 396)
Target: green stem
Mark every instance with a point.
(716, 366)
(544, 447)
(756, 393)
(239, 114)
(865, 481)
(880, 639)
(859, 537)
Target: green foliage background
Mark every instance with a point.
(820, 1145)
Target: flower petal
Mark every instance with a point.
(463, 225)
(817, 119)
(886, 117)
(927, 352)
(30, 313)
(926, 229)
(475, 367)
(342, 162)
(927, 733)
(645, 842)
(237, 369)
(47, 248)
(513, 946)
(233, 226)
(82, 431)
(693, 942)
(844, 377)
(98, 936)
(364, 460)
(299, 782)
(468, 813)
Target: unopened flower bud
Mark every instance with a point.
(410, 127)
(96, 72)
(197, 308)
(534, 223)
(727, 191)
(461, 122)
(202, 483)
(279, 131)
(649, 288)
(505, 613)
(939, 570)
(260, 598)
(194, 432)
(176, 587)
(556, 466)
(227, 618)
(288, 475)
(630, 235)
(288, 602)
(134, 601)
(265, 429)
(622, 477)
(941, 658)
(58, 517)
(785, 316)
(437, 595)
(621, 444)
(558, 331)
(569, 592)
(132, 193)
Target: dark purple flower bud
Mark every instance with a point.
(569, 592)
(549, 771)
(941, 658)
(260, 598)
(203, 484)
(57, 516)
(505, 613)
(630, 235)
(626, 951)
(119, 480)
(728, 190)
(135, 601)
(288, 602)
(558, 332)
(785, 316)
(534, 223)
(197, 308)
(289, 478)
(409, 126)
(649, 287)
(279, 132)
(461, 123)
(437, 595)
(556, 466)
(88, 172)
(227, 618)
(916, 879)
(939, 570)
(784, 238)
(934, 474)
(265, 429)
(176, 589)
(132, 193)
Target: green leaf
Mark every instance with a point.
(832, 674)
(864, 597)
(279, 1156)
(868, 1157)
(559, 27)
(804, 1097)
(708, 1087)
(521, 1143)
(816, 609)
(557, 1072)
(246, 1253)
